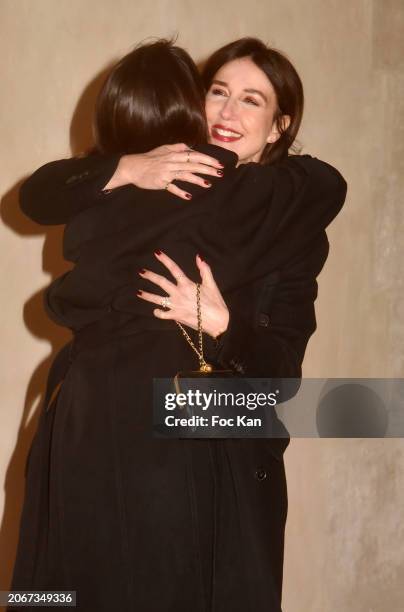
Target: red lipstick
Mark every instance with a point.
(217, 132)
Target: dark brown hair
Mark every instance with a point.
(153, 96)
(284, 79)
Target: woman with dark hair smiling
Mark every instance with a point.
(277, 87)
(128, 521)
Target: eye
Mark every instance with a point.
(215, 91)
(252, 101)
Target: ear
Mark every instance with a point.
(274, 134)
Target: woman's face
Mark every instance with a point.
(240, 106)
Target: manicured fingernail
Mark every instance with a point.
(142, 271)
(139, 292)
(207, 183)
(188, 196)
(158, 252)
(220, 172)
(221, 165)
(201, 258)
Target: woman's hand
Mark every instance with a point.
(182, 297)
(159, 167)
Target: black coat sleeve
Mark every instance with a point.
(290, 204)
(272, 343)
(60, 189)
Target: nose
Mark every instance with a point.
(228, 110)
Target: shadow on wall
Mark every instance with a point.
(40, 326)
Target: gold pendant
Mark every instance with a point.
(206, 367)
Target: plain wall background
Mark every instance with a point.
(345, 540)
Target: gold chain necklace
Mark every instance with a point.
(203, 366)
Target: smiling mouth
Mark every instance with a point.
(224, 134)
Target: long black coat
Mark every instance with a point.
(136, 523)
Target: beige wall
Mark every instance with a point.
(345, 541)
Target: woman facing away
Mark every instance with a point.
(128, 521)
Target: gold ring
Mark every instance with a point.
(188, 154)
(169, 183)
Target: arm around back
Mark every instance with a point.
(60, 189)
(270, 340)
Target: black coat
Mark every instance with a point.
(167, 524)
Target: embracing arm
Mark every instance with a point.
(273, 342)
(265, 336)
(60, 189)
(291, 203)
(306, 202)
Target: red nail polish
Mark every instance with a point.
(201, 258)
(158, 252)
(188, 196)
(142, 271)
(220, 172)
(207, 183)
(139, 292)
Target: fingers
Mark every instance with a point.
(206, 273)
(162, 314)
(150, 297)
(155, 299)
(195, 157)
(184, 195)
(181, 154)
(188, 177)
(182, 166)
(176, 148)
(159, 280)
(190, 156)
(170, 264)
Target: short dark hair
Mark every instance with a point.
(284, 79)
(153, 96)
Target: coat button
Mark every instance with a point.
(237, 366)
(260, 473)
(263, 319)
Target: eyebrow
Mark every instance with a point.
(249, 90)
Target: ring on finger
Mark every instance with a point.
(180, 277)
(188, 154)
(169, 183)
(165, 303)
